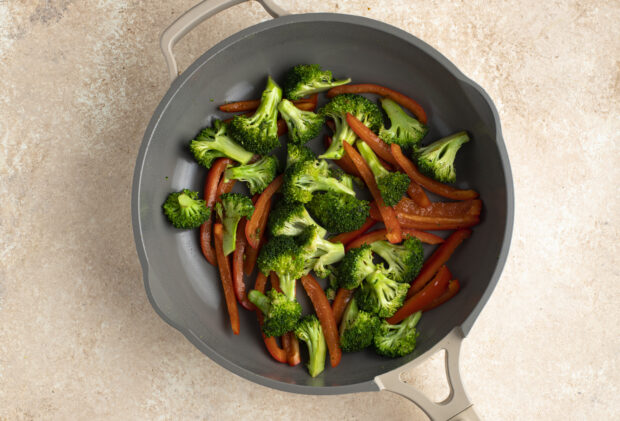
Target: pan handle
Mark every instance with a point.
(456, 407)
(197, 14)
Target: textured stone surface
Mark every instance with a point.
(78, 338)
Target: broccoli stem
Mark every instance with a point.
(287, 285)
(350, 313)
(232, 149)
(316, 365)
(230, 234)
(398, 117)
(260, 300)
(331, 184)
(343, 133)
(289, 111)
(269, 101)
(185, 201)
(371, 159)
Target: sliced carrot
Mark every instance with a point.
(370, 88)
(428, 183)
(271, 344)
(343, 296)
(226, 278)
(429, 222)
(453, 288)
(379, 147)
(433, 290)
(347, 237)
(255, 227)
(326, 317)
(237, 267)
(388, 215)
(438, 259)
(381, 234)
(417, 194)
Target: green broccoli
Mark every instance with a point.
(345, 178)
(338, 212)
(392, 184)
(404, 130)
(185, 210)
(310, 331)
(381, 295)
(404, 260)
(397, 340)
(258, 133)
(437, 159)
(317, 252)
(214, 142)
(283, 256)
(258, 175)
(357, 328)
(337, 109)
(290, 218)
(303, 126)
(281, 314)
(297, 153)
(302, 179)
(231, 208)
(308, 79)
(356, 266)
(332, 284)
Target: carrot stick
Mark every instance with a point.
(381, 234)
(343, 296)
(252, 105)
(437, 259)
(255, 227)
(226, 277)
(347, 237)
(416, 193)
(274, 350)
(326, 317)
(433, 290)
(428, 222)
(237, 267)
(428, 183)
(370, 88)
(388, 215)
(453, 288)
(378, 146)
(210, 195)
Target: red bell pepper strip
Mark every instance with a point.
(274, 350)
(226, 278)
(252, 105)
(224, 187)
(343, 296)
(370, 88)
(282, 127)
(378, 146)
(418, 195)
(381, 234)
(255, 227)
(237, 267)
(428, 183)
(347, 237)
(291, 347)
(388, 215)
(315, 100)
(326, 317)
(438, 259)
(462, 208)
(453, 288)
(210, 195)
(251, 254)
(430, 221)
(433, 290)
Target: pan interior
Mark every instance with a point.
(187, 290)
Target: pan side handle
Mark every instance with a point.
(194, 16)
(456, 407)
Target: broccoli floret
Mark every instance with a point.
(231, 208)
(361, 108)
(258, 133)
(356, 265)
(404, 260)
(258, 175)
(282, 255)
(437, 159)
(346, 179)
(302, 179)
(308, 79)
(392, 185)
(185, 210)
(357, 328)
(338, 212)
(381, 295)
(298, 153)
(290, 218)
(303, 126)
(317, 252)
(332, 284)
(397, 340)
(404, 130)
(310, 331)
(214, 142)
(281, 314)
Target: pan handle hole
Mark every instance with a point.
(430, 377)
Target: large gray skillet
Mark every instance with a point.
(185, 290)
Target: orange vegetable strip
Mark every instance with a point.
(379, 147)
(291, 347)
(462, 208)
(345, 162)
(315, 100)
(224, 187)
(282, 127)
(433, 223)
(347, 237)
(428, 183)
(433, 290)
(274, 350)
(343, 296)
(417, 194)
(251, 254)
(226, 278)
(237, 267)
(370, 88)
(453, 288)
(306, 106)
(438, 259)
(326, 317)
(255, 227)
(252, 105)
(210, 195)
(379, 235)
(394, 234)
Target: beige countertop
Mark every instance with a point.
(78, 338)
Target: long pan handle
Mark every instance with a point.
(456, 407)
(194, 16)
